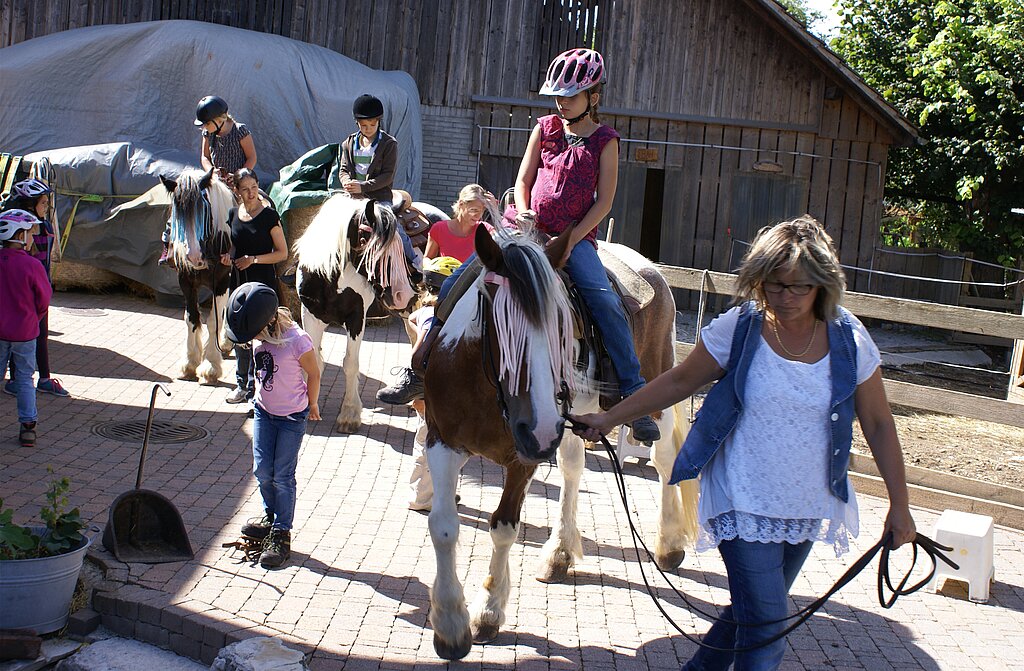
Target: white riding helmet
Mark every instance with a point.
(13, 222)
(30, 188)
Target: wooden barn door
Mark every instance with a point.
(760, 200)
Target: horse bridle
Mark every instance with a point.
(490, 368)
(933, 550)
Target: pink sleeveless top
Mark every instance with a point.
(567, 177)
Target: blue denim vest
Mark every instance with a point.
(721, 410)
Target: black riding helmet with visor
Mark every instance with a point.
(209, 110)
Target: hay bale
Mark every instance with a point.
(298, 220)
(70, 275)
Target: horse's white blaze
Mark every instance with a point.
(448, 613)
(543, 388)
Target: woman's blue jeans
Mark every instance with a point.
(760, 575)
(23, 354)
(275, 449)
(587, 271)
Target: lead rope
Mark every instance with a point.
(702, 303)
(931, 548)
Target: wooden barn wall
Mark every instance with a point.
(452, 48)
(692, 57)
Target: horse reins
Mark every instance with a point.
(933, 550)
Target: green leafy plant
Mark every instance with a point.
(62, 533)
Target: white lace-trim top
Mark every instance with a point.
(769, 482)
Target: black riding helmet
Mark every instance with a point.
(209, 108)
(367, 107)
(250, 308)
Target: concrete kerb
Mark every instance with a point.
(183, 625)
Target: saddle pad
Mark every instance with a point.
(623, 268)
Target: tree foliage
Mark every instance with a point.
(955, 68)
(802, 12)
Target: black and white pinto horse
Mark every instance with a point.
(200, 233)
(509, 343)
(350, 255)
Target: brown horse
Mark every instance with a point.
(509, 343)
(350, 255)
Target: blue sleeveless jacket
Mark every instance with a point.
(721, 410)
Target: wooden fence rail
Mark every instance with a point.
(904, 311)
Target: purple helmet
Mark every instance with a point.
(573, 71)
(13, 222)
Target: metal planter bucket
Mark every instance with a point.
(36, 593)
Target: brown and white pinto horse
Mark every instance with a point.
(508, 342)
(350, 255)
(200, 233)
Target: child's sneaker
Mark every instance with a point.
(9, 388)
(27, 435)
(52, 385)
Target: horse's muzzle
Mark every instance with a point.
(529, 447)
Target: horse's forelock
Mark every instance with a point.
(530, 278)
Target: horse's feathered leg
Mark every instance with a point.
(315, 329)
(212, 366)
(677, 519)
(488, 609)
(449, 616)
(565, 546)
(350, 417)
(193, 335)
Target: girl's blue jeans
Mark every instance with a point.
(587, 271)
(275, 449)
(23, 354)
(760, 575)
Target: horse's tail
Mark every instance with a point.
(688, 489)
(323, 247)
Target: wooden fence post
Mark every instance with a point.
(1016, 391)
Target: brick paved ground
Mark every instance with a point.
(355, 594)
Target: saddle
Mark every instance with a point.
(416, 224)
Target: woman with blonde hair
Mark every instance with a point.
(772, 440)
(454, 237)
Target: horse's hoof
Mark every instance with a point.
(349, 426)
(671, 560)
(189, 376)
(485, 633)
(557, 570)
(456, 650)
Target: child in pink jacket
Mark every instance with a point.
(24, 299)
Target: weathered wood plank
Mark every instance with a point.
(872, 306)
(933, 399)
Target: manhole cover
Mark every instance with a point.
(134, 431)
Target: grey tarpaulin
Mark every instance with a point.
(138, 83)
(128, 244)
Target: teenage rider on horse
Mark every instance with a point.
(368, 160)
(566, 186)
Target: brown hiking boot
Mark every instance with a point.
(258, 527)
(276, 548)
